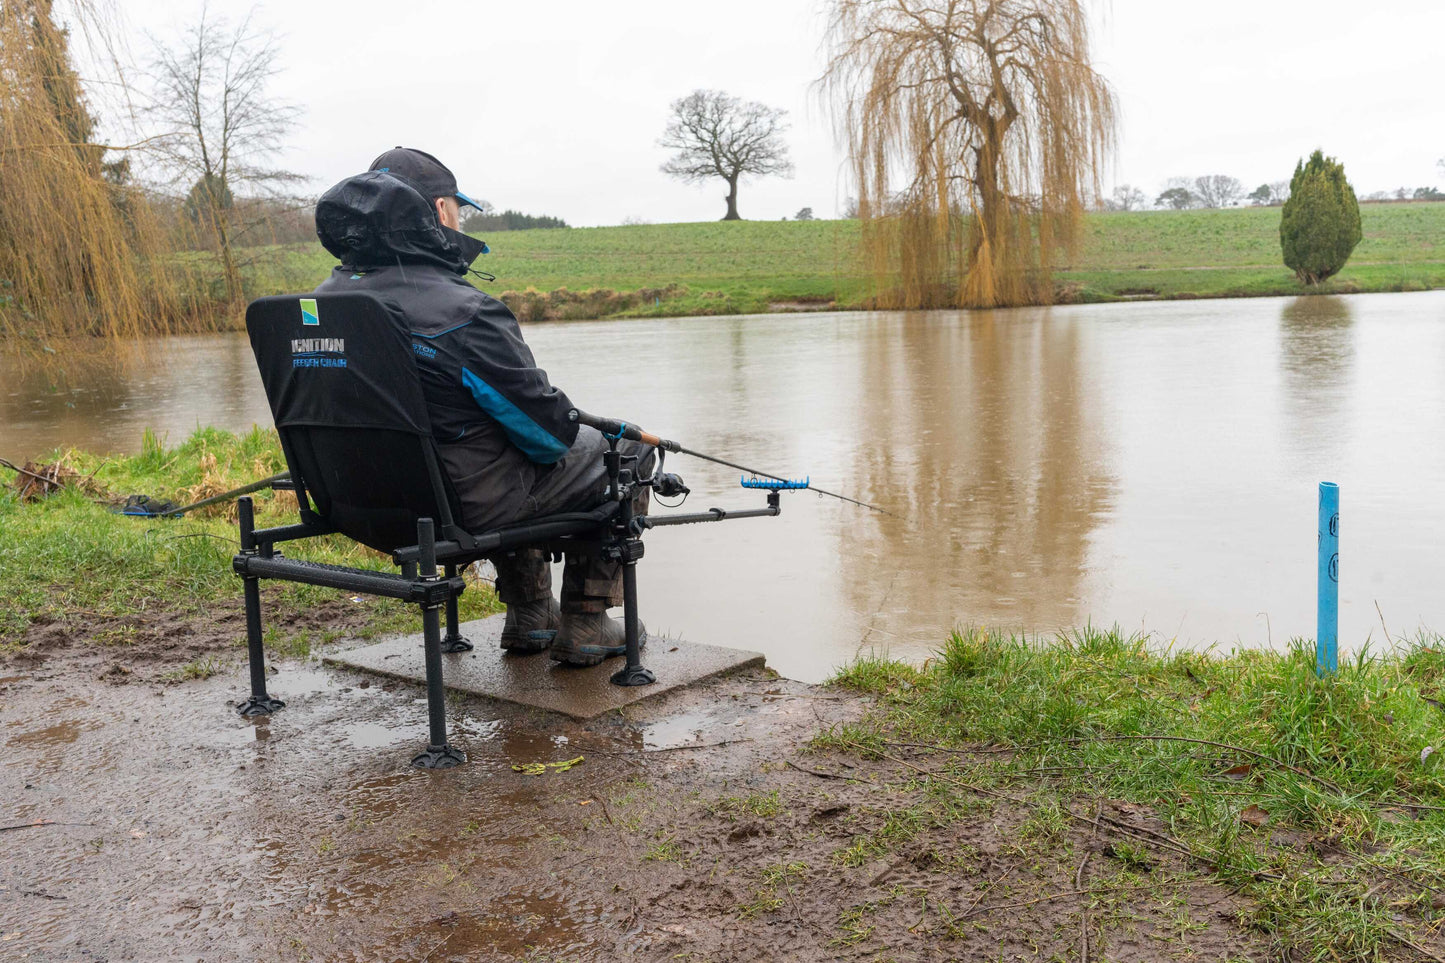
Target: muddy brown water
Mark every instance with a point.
(1151, 464)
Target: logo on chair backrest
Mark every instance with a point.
(308, 311)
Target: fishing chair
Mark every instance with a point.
(347, 401)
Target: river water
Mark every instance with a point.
(1151, 464)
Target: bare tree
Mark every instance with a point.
(210, 90)
(1278, 192)
(716, 135)
(472, 220)
(1127, 197)
(989, 108)
(1218, 190)
(1177, 194)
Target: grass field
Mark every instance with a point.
(1318, 799)
(748, 266)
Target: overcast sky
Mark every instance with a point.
(556, 107)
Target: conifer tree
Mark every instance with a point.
(1320, 224)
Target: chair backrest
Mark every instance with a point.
(347, 401)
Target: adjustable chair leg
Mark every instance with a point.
(632, 673)
(454, 641)
(438, 755)
(260, 703)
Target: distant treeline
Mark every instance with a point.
(478, 222)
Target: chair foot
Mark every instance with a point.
(633, 675)
(259, 707)
(439, 757)
(456, 642)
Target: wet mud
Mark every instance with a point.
(696, 827)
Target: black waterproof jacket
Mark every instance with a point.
(496, 417)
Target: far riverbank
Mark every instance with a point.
(749, 267)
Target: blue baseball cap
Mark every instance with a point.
(424, 171)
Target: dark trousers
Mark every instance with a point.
(578, 482)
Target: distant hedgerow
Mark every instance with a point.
(1320, 224)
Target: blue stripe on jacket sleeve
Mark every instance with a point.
(535, 441)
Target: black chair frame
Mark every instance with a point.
(429, 569)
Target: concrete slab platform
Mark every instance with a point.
(536, 681)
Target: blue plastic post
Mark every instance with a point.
(1327, 632)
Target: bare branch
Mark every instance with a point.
(212, 88)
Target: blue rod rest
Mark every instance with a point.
(774, 484)
(1327, 630)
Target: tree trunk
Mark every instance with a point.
(228, 258)
(732, 214)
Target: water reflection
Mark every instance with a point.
(987, 443)
(1317, 354)
(102, 397)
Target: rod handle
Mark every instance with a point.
(614, 427)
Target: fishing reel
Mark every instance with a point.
(669, 485)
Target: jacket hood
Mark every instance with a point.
(377, 219)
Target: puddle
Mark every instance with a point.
(541, 924)
(292, 682)
(677, 730)
(60, 734)
(374, 735)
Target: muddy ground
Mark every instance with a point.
(697, 826)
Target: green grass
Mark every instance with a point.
(746, 266)
(70, 558)
(201, 668)
(777, 883)
(1231, 753)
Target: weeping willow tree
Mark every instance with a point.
(79, 255)
(977, 130)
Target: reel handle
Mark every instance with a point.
(619, 429)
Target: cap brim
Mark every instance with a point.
(466, 201)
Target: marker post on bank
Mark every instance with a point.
(1327, 631)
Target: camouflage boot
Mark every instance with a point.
(524, 583)
(587, 638)
(590, 584)
(531, 626)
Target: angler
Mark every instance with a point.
(501, 427)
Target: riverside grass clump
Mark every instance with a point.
(565, 305)
(1319, 799)
(70, 558)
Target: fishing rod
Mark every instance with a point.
(143, 506)
(613, 428)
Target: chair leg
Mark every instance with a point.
(260, 703)
(438, 755)
(632, 673)
(454, 641)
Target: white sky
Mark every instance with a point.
(555, 107)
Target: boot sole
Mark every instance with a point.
(529, 643)
(589, 655)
